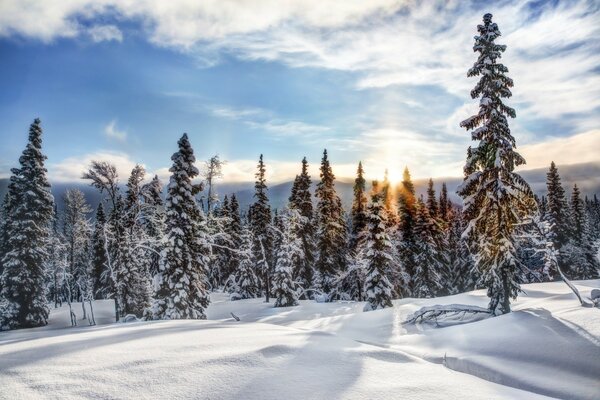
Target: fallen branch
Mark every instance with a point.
(433, 312)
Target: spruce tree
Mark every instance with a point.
(23, 295)
(427, 277)
(494, 196)
(378, 257)
(331, 231)
(290, 251)
(180, 285)
(445, 206)
(557, 209)
(245, 281)
(234, 233)
(359, 210)
(387, 191)
(4, 215)
(432, 204)
(408, 215)
(462, 274)
(583, 257)
(100, 273)
(301, 200)
(153, 222)
(260, 223)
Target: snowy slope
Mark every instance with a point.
(549, 345)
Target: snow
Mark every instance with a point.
(548, 346)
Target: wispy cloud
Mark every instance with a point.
(112, 132)
(105, 33)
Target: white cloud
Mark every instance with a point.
(70, 169)
(101, 33)
(580, 148)
(112, 132)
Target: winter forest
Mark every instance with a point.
(391, 278)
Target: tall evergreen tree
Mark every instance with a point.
(301, 200)
(432, 204)
(557, 208)
(153, 222)
(359, 209)
(244, 282)
(260, 223)
(388, 193)
(582, 254)
(445, 206)
(100, 273)
(408, 215)
(427, 277)
(290, 251)
(180, 285)
(331, 231)
(495, 197)
(23, 294)
(4, 216)
(378, 257)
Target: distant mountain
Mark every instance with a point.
(586, 175)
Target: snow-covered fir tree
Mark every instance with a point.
(331, 231)
(378, 254)
(445, 205)
(583, 254)
(493, 194)
(429, 263)
(463, 276)
(180, 285)
(4, 215)
(56, 262)
(262, 235)
(234, 232)
(432, 204)
(301, 200)
(244, 282)
(358, 213)
(99, 264)
(557, 213)
(290, 252)
(408, 215)
(388, 192)
(23, 296)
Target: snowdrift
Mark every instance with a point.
(549, 346)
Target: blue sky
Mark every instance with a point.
(381, 81)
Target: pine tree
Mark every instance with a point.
(408, 216)
(27, 228)
(378, 257)
(260, 223)
(331, 231)
(4, 215)
(359, 210)
(462, 276)
(427, 278)
(583, 255)
(180, 285)
(234, 233)
(100, 273)
(387, 192)
(432, 204)
(445, 206)
(494, 195)
(245, 282)
(557, 209)
(290, 251)
(301, 200)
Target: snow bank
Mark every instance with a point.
(548, 346)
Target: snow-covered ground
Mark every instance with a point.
(548, 346)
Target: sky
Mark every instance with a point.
(382, 81)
